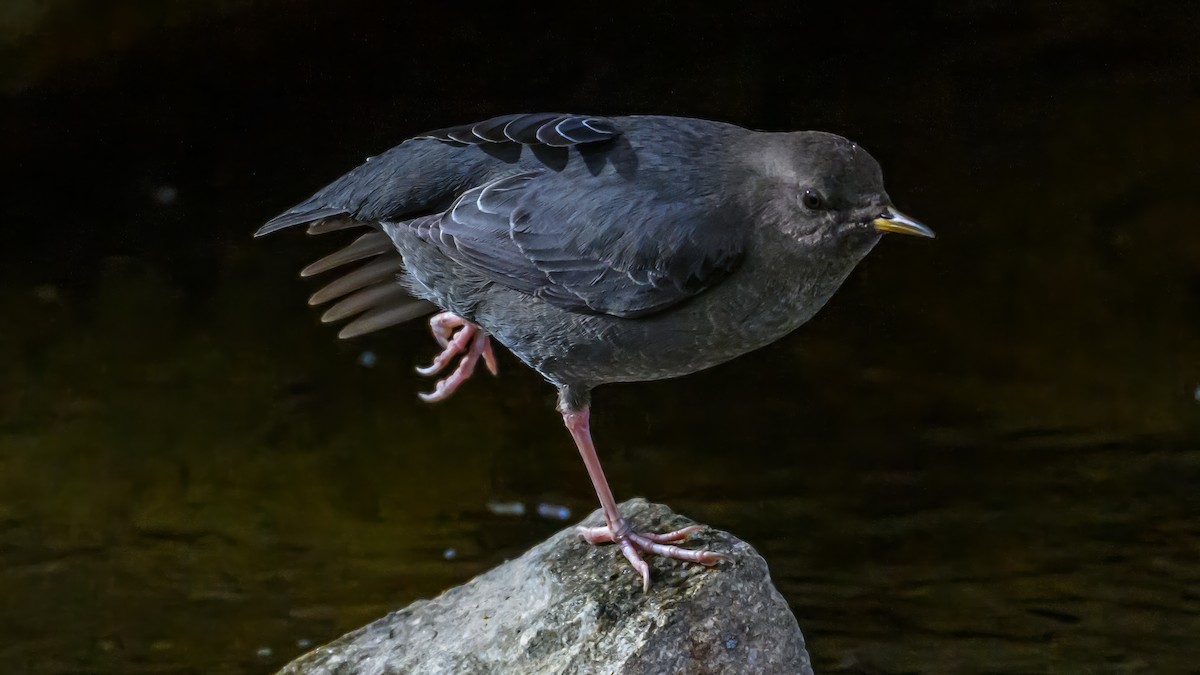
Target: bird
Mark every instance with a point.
(598, 250)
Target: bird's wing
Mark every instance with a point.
(415, 177)
(419, 177)
(591, 243)
(600, 237)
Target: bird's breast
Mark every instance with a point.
(736, 317)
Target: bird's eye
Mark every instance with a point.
(812, 199)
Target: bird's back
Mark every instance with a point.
(425, 174)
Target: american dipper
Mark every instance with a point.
(599, 250)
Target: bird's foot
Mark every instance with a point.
(458, 338)
(633, 544)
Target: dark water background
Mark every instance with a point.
(982, 457)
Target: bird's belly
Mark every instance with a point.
(570, 348)
(745, 312)
(685, 342)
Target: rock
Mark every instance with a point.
(567, 607)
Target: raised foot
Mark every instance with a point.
(469, 343)
(633, 544)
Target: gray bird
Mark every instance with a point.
(599, 250)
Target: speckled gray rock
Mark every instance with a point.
(567, 607)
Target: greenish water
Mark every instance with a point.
(981, 457)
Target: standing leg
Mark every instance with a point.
(616, 529)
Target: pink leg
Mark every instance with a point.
(469, 343)
(616, 530)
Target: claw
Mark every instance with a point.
(442, 326)
(489, 357)
(633, 544)
(452, 348)
(469, 343)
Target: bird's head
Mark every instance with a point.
(827, 191)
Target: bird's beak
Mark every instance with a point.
(892, 220)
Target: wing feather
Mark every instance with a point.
(607, 247)
(603, 230)
(550, 129)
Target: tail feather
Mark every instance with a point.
(370, 244)
(327, 225)
(366, 299)
(371, 293)
(385, 316)
(384, 269)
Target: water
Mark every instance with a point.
(981, 457)
(176, 504)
